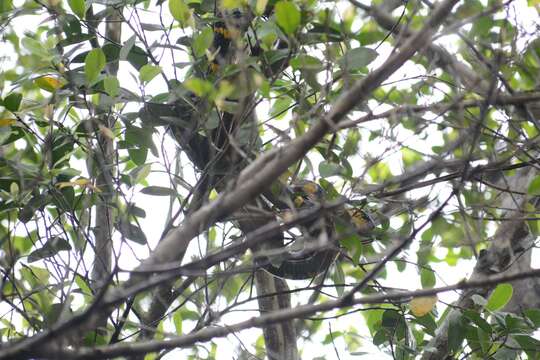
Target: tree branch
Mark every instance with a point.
(258, 175)
(268, 319)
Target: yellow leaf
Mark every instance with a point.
(7, 122)
(81, 182)
(48, 83)
(420, 306)
(232, 4)
(105, 131)
(64, 184)
(14, 188)
(260, 7)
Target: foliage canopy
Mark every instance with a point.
(134, 136)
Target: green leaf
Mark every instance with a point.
(93, 64)
(13, 101)
(231, 4)
(260, 6)
(306, 62)
(534, 316)
(351, 242)
(132, 232)
(380, 337)
(534, 187)
(48, 83)
(78, 7)
(14, 189)
(35, 47)
(327, 169)
(427, 278)
(391, 318)
(152, 27)
(112, 52)
(51, 248)
(138, 156)
(5, 6)
(483, 339)
(137, 57)
(351, 143)
(72, 27)
(36, 202)
(339, 278)
(84, 288)
(468, 8)
(280, 107)
(158, 191)
(148, 72)
(287, 16)
(126, 48)
(456, 332)
(111, 85)
(212, 122)
(139, 137)
(409, 156)
(136, 211)
(357, 58)
(428, 322)
(401, 264)
(379, 172)
(500, 297)
(529, 344)
(140, 173)
(177, 320)
(180, 11)
(478, 320)
(202, 41)
(373, 318)
(198, 86)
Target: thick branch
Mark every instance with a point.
(262, 172)
(106, 155)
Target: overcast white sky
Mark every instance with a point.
(156, 207)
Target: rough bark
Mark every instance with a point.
(105, 156)
(505, 255)
(280, 339)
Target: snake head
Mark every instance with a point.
(237, 18)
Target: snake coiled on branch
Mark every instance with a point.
(320, 243)
(214, 156)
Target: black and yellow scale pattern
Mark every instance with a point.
(308, 264)
(221, 44)
(231, 24)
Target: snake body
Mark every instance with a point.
(289, 264)
(321, 246)
(184, 118)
